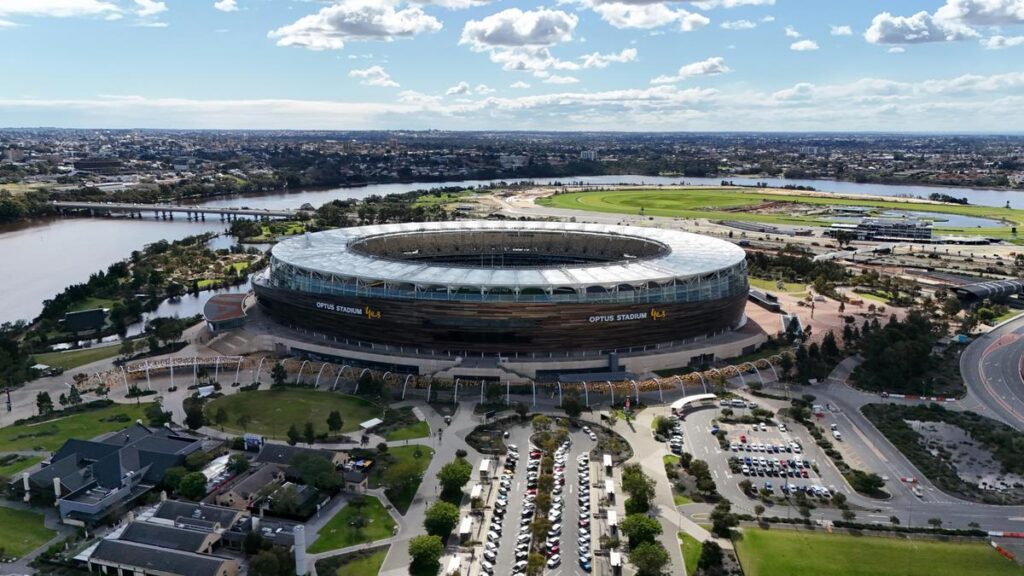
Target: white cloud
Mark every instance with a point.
(58, 8)
(374, 76)
(418, 98)
(645, 16)
(226, 5)
(954, 20)
(710, 67)
(483, 89)
(556, 79)
(1000, 42)
(842, 31)
(739, 25)
(459, 89)
(791, 32)
(712, 4)
(453, 4)
(151, 24)
(804, 46)
(145, 8)
(768, 19)
(514, 28)
(7, 24)
(520, 85)
(598, 60)
(350, 20)
(896, 50)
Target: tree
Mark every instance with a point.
(243, 421)
(278, 375)
(316, 471)
(156, 416)
(746, 486)
(935, 523)
(238, 463)
(192, 486)
(220, 417)
(535, 563)
(521, 409)
(441, 518)
(285, 500)
(252, 543)
(454, 475)
(541, 423)
(894, 520)
(572, 405)
(382, 447)
(293, 435)
(426, 551)
(640, 528)
(786, 364)
(74, 396)
(849, 515)
(264, 564)
(308, 433)
(194, 417)
(334, 421)
(650, 559)
(173, 476)
(639, 487)
(710, 557)
(722, 519)
(758, 511)
(44, 403)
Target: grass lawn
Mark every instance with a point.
(362, 563)
(22, 531)
(272, 412)
(691, 548)
(799, 553)
(91, 303)
(401, 500)
(9, 470)
(773, 286)
(718, 203)
(339, 533)
(75, 358)
(51, 434)
(418, 430)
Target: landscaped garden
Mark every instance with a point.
(272, 412)
(21, 531)
(363, 519)
(803, 553)
(401, 470)
(50, 434)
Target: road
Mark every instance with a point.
(990, 367)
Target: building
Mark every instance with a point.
(85, 320)
(283, 455)
(588, 155)
(424, 296)
(893, 229)
(241, 492)
(99, 166)
(90, 478)
(225, 312)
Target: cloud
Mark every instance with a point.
(710, 67)
(896, 50)
(712, 4)
(58, 8)
(646, 16)
(598, 60)
(791, 32)
(7, 24)
(515, 28)
(842, 31)
(146, 8)
(955, 20)
(804, 46)
(1000, 42)
(374, 76)
(739, 25)
(226, 5)
(453, 4)
(483, 89)
(458, 90)
(351, 20)
(556, 79)
(520, 85)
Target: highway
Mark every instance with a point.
(990, 367)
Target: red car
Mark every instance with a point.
(743, 438)
(803, 473)
(553, 550)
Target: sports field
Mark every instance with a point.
(272, 412)
(52, 433)
(801, 553)
(719, 203)
(22, 531)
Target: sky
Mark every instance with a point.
(622, 65)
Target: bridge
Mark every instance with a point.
(167, 211)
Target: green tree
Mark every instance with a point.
(572, 405)
(192, 486)
(710, 557)
(194, 417)
(441, 518)
(238, 463)
(454, 475)
(264, 564)
(156, 416)
(252, 543)
(220, 417)
(293, 435)
(308, 434)
(334, 421)
(541, 422)
(639, 486)
(243, 420)
(640, 528)
(316, 471)
(426, 551)
(44, 404)
(278, 375)
(173, 476)
(650, 559)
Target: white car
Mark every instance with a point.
(487, 567)
(554, 561)
(520, 566)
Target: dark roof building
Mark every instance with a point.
(197, 516)
(125, 557)
(225, 312)
(169, 537)
(284, 455)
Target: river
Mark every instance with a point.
(40, 259)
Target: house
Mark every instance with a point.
(119, 558)
(355, 481)
(90, 478)
(283, 455)
(241, 493)
(195, 516)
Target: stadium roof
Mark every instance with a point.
(684, 256)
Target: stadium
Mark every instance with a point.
(554, 296)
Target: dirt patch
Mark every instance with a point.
(973, 462)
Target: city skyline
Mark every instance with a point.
(758, 65)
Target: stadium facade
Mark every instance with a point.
(527, 298)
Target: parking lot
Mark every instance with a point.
(507, 540)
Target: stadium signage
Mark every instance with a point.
(350, 310)
(652, 314)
